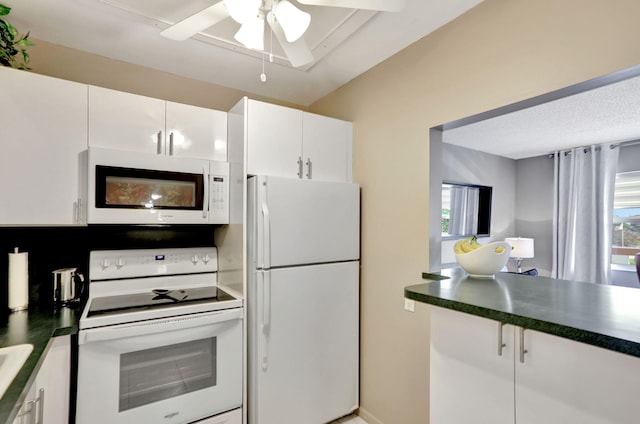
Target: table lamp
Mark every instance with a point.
(521, 248)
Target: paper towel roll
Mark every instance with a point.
(18, 281)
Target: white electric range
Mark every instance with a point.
(159, 341)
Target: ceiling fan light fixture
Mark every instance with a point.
(242, 10)
(294, 22)
(251, 33)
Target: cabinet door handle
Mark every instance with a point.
(171, 144)
(159, 143)
(40, 407)
(523, 351)
(26, 412)
(309, 168)
(299, 166)
(501, 343)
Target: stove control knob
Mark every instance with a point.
(206, 259)
(195, 259)
(120, 263)
(105, 263)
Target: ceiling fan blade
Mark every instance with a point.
(195, 23)
(381, 5)
(298, 52)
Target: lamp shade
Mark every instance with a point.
(521, 247)
(242, 10)
(251, 33)
(294, 22)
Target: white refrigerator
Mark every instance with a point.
(303, 300)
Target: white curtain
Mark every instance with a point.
(583, 208)
(463, 210)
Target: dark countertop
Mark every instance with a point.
(36, 326)
(597, 314)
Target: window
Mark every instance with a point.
(626, 218)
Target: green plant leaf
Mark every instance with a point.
(12, 52)
(13, 30)
(25, 42)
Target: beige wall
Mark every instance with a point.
(74, 65)
(498, 53)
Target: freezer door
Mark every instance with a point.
(305, 222)
(304, 344)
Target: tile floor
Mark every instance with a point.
(351, 419)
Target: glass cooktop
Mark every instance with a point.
(156, 299)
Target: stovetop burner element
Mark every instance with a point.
(168, 294)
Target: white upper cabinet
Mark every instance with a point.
(125, 121)
(274, 140)
(326, 148)
(196, 132)
(287, 142)
(44, 129)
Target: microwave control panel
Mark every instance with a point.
(218, 192)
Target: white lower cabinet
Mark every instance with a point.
(470, 381)
(48, 399)
(552, 380)
(562, 381)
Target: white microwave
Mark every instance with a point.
(137, 188)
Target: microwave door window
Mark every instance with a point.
(146, 189)
(148, 193)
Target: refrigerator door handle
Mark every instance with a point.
(266, 237)
(265, 300)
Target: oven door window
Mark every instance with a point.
(152, 375)
(129, 188)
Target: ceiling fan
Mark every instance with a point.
(287, 22)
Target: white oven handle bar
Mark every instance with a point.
(164, 325)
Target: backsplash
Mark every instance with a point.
(52, 248)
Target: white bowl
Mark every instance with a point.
(484, 261)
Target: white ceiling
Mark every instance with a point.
(610, 113)
(345, 42)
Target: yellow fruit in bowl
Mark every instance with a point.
(466, 245)
(499, 249)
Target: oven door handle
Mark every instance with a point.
(144, 328)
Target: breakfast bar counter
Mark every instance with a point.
(596, 314)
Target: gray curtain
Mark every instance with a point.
(583, 208)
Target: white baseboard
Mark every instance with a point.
(368, 417)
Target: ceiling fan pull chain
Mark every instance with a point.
(263, 76)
